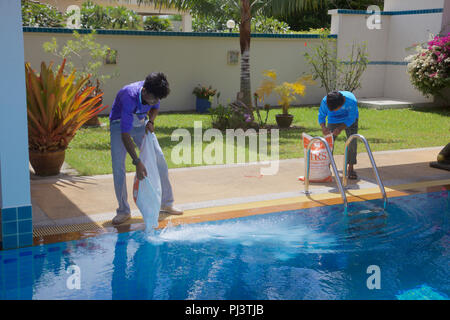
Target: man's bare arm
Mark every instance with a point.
(129, 145)
(151, 116)
(141, 172)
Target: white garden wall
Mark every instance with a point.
(396, 5)
(188, 61)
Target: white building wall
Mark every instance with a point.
(386, 76)
(352, 29)
(404, 32)
(397, 5)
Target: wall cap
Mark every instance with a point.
(386, 13)
(175, 34)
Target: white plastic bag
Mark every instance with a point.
(319, 162)
(147, 192)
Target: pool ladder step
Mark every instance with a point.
(342, 185)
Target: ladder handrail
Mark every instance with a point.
(333, 164)
(372, 160)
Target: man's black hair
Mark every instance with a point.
(335, 99)
(156, 83)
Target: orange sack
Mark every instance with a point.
(319, 162)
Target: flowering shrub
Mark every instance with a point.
(236, 115)
(429, 68)
(203, 92)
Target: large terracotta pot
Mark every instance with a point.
(284, 120)
(47, 163)
(92, 122)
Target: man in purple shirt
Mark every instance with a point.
(132, 115)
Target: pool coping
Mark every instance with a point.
(58, 233)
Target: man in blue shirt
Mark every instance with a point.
(341, 109)
(132, 115)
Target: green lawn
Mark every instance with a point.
(89, 151)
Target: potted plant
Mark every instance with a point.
(287, 94)
(204, 96)
(57, 106)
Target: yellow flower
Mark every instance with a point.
(270, 74)
(265, 89)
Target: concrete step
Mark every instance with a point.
(384, 103)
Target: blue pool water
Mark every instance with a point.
(316, 253)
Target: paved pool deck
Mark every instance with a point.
(76, 200)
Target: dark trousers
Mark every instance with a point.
(352, 148)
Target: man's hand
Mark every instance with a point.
(325, 130)
(141, 172)
(149, 127)
(338, 130)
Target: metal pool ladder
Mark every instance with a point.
(333, 164)
(374, 166)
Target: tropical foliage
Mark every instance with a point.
(429, 67)
(319, 18)
(94, 16)
(41, 15)
(57, 106)
(155, 23)
(259, 24)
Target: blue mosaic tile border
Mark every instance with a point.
(17, 227)
(392, 63)
(175, 34)
(392, 13)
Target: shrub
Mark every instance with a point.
(220, 117)
(41, 15)
(429, 68)
(155, 23)
(334, 73)
(261, 24)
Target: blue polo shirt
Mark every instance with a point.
(128, 104)
(347, 114)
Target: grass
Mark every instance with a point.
(89, 151)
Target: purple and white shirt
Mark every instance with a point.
(127, 106)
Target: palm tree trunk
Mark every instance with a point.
(245, 91)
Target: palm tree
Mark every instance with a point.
(268, 7)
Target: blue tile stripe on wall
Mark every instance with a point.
(392, 63)
(17, 227)
(392, 13)
(175, 34)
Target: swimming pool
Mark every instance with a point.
(316, 253)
